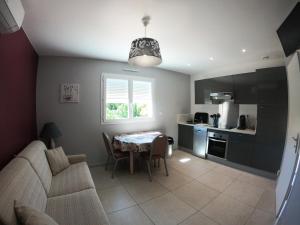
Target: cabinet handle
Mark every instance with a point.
(217, 140)
(297, 140)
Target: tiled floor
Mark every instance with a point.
(197, 192)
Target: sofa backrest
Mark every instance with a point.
(35, 154)
(18, 181)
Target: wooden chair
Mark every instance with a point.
(158, 151)
(116, 155)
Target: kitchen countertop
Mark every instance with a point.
(234, 130)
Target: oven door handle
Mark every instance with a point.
(217, 140)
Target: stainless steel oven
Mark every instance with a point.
(217, 144)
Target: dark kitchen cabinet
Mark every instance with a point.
(200, 89)
(203, 88)
(185, 136)
(245, 88)
(270, 137)
(272, 86)
(240, 148)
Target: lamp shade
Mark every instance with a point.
(50, 130)
(145, 52)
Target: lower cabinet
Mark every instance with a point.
(185, 136)
(241, 148)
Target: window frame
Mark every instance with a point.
(130, 79)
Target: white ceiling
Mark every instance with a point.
(189, 31)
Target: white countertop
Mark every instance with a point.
(234, 130)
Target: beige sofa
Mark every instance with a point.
(69, 197)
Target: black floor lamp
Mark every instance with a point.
(49, 133)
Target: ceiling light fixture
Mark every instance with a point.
(244, 50)
(145, 51)
(211, 58)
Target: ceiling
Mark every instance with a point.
(189, 31)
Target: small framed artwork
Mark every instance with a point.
(69, 93)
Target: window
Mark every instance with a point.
(126, 98)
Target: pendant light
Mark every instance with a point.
(145, 51)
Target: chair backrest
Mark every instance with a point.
(159, 146)
(108, 144)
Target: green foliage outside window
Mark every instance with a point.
(116, 111)
(120, 110)
(140, 110)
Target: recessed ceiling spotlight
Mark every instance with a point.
(188, 64)
(244, 50)
(211, 58)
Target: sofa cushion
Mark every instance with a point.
(79, 208)
(35, 154)
(18, 181)
(75, 178)
(58, 160)
(29, 216)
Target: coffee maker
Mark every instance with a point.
(242, 123)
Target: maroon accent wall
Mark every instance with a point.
(18, 68)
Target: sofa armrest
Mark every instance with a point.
(76, 158)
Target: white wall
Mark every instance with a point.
(80, 122)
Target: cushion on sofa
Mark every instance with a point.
(58, 160)
(76, 177)
(35, 154)
(18, 181)
(80, 208)
(29, 216)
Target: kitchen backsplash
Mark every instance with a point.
(251, 112)
(244, 109)
(208, 108)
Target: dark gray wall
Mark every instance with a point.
(80, 122)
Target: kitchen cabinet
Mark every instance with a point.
(203, 88)
(200, 96)
(245, 88)
(240, 148)
(185, 136)
(272, 86)
(270, 137)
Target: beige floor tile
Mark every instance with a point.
(228, 171)
(129, 216)
(115, 198)
(181, 153)
(182, 159)
(267, 202)
(215, 180)
(102, 178)
(227, 211)
(260, 217)
(198, 219)
(195, 169)
(167, 210)
(196, 194)
(179, 163)
(173, 181)
(258, 181)
(244, 192)
(141, 189)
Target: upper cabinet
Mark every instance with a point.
(245, 88)
(203, 88)
(272, 86)
(265, 86)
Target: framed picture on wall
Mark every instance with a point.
(69, 93)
